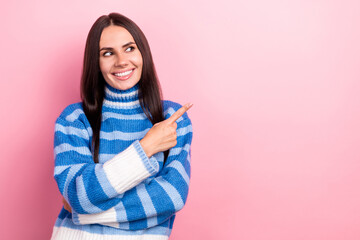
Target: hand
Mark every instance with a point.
(162, 136)
(66, 205)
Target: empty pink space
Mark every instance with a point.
(275, 87)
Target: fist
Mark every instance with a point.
(66, 205)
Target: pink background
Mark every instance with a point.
(276, 93)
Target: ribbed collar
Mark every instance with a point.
(116, 98)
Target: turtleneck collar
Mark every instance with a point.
(116, 98)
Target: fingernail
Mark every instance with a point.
(189, 105)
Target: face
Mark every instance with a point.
(120, 60)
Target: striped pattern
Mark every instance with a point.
(126, 190)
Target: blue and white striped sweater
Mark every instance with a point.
(126, 190)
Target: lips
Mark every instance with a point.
(124, 75)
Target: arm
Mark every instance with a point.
(88, 187)
(154, 200)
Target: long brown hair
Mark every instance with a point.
(93, 83)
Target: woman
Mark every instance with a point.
(122, 155)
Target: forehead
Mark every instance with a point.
(115, 36)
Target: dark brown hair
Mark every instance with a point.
(93, 83)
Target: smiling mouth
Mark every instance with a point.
(123, 75)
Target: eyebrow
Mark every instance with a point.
(110, 48)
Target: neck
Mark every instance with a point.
(117, 98)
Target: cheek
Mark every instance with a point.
(137, 59)
(103, 66)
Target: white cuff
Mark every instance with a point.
(129, 168)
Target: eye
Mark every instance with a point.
(129, 49)
(106, 54)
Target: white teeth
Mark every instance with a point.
(123, 74)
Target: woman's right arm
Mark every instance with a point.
(152, 202)
(93, 187)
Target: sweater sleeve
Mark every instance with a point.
(157, 198)
(91, 187)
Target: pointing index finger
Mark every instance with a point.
(179, 112)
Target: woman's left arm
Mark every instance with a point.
(155, 200)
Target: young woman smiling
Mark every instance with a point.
(122, 155)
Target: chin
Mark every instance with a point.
(124, 86)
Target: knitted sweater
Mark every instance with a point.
(126, 195)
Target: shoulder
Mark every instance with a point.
(72, 129)
(73, 114)
(171, 107)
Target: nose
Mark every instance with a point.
(121, 60)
